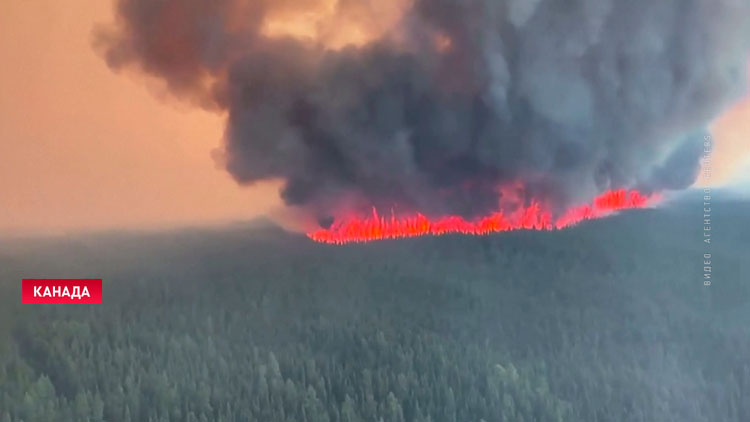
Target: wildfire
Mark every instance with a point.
(532, 217)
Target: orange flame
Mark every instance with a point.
(532, 217)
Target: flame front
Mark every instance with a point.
(532, 217)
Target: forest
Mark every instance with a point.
(607, 321)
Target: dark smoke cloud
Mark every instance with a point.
(682, 166)
(568, 97)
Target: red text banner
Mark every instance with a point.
(67, 290)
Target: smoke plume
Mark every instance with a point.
(434, 105)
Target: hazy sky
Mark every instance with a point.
(82, 147)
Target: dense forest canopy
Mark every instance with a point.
(607, 321)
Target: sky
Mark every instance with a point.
(731, 156)
(84, 148)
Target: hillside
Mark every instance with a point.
(606, 321)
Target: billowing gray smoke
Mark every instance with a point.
(458, 97)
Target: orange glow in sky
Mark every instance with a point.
(84, 148)
(731, 154)
(332, 23)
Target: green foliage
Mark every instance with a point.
(605, 322)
